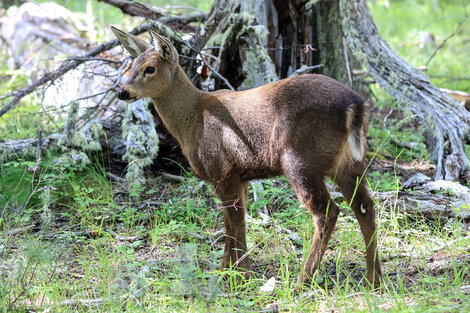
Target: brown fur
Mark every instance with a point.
(306, 127)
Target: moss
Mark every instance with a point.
(250, 40)
(72, 159)
(138, 132)
(73, 146)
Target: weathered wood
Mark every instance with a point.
(431, 206)
(328, 40)
(446, 123)
(134, 8)
(243, 58)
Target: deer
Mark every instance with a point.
(306, 127)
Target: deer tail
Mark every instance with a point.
(357, 123)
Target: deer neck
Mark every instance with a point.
(180, 109)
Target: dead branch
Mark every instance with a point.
(185, 19)
(446, 123)
(456, 32)
(75, 61)
(427, 205)
(20, 230)
(449, 244)
(65, 67)
(174, 178)
(219, 10)
(133, 8)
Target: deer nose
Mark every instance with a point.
(123, 95)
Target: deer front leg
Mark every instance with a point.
(234, 205)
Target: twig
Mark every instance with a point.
(93, 59)
(457, 30)
(87, 302)
(217, 73)
(115, 178)
(124, 238)
(184, 19)
(39, 146)
(304, 69)
(138, 9)
(346, 61)
(175, 178)
(387, 116)
(182, 7)
(199, 52)
(19, 230)
(450, 243)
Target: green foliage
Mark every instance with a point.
(407, 24)
(22, 187)
(26, 119)
(383, 181)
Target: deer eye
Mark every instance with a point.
(149, 70)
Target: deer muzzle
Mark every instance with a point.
(123, 94)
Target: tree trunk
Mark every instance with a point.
(445, 120)
(305, 34)
(339, 34)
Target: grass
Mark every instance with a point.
(82, 245)
(404, 24)
(114, 254)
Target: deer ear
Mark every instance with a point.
(133, 44)
(164, 47)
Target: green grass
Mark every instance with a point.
(405, 21)
(165, 256)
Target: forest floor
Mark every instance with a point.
(96, 248)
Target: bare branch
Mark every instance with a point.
(219, 11)
(66, 66)
(225, 80)
(138, 9)
(456, 32)
(134, 8)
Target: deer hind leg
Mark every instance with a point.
(233, 196)
(312, 192)
(325, 214)
(357, 195)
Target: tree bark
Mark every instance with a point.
(446, 121)
(306, 34)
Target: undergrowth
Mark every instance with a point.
(101, 249)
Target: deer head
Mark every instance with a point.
(153, 68)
